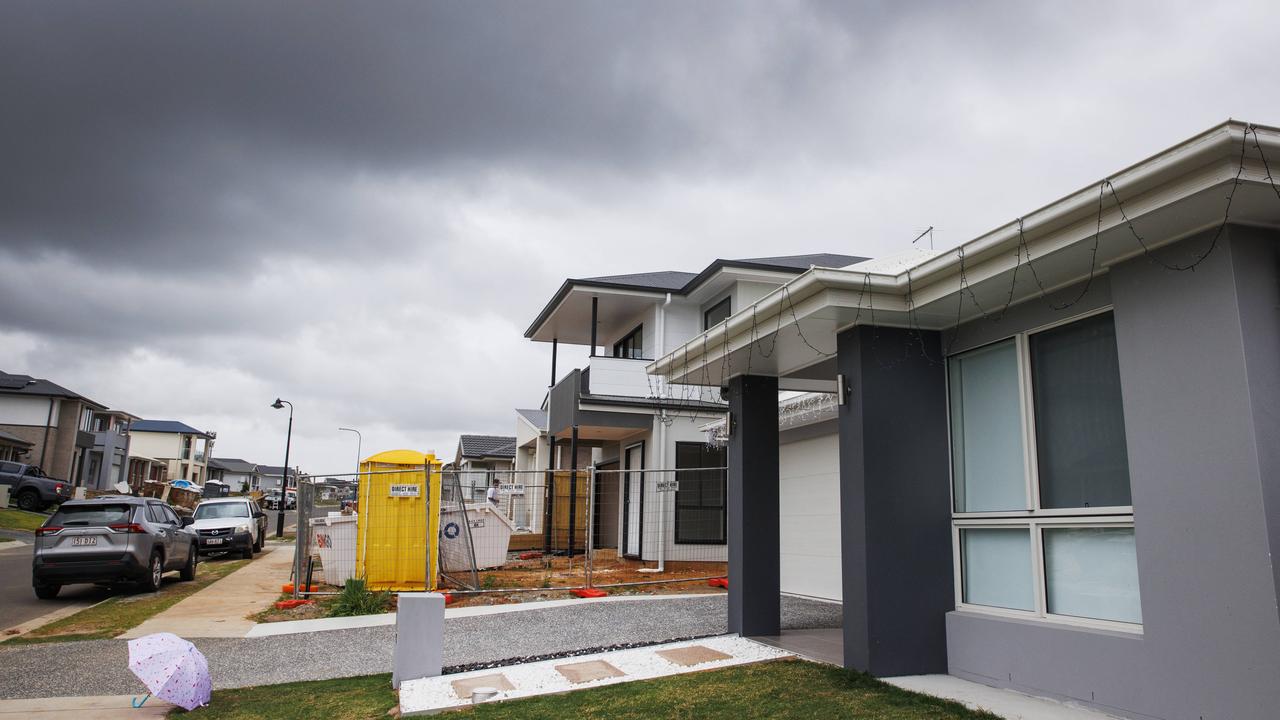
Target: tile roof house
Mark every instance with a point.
(53, 425)
(176, 449)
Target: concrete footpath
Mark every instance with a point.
(76, 708)
(222, 609)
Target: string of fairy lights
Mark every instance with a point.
(679, 403)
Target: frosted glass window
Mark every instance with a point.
(1080, 441)
(997, 567)
(986, 430)
(1092, 573)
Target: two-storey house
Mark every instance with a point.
(181, 450)
(54, 424)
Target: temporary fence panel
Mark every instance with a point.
(568, 513)
(398, 522)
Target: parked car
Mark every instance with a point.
(272, 500)
(30, 488)
(112, 539)
(233, 524)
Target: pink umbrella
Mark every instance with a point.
(171, 668)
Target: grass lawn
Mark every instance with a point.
(15, 519)
(782, 689)
(122, 612)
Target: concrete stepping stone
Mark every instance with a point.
(692, 655)
(587, 671)
(464, 687)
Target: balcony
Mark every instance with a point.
(601, 399)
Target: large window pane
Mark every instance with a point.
(1080, 442)
(700, 497)
(997, 567)
(986, 430)
(1092, 573)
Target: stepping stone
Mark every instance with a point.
(587, 671)
(463, 688)
(692, 655)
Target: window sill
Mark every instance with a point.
(1058, 622)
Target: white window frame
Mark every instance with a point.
(1035, 519)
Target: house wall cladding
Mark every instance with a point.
(1198, 356)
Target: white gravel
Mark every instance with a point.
(542, 678)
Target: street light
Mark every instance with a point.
(284, 472)
(359, 444)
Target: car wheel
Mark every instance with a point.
(257, 543)
(155, 570)
(29, 500)
(47, 592)
(189, 570)
(247, 553)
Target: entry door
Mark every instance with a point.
(633, 499)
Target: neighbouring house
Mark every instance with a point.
(53, 423)
(479, 460)
(1055, 462)
(634, 429)
(530, 464)
(234, 473)
(270, 476)
(171, 449)
(108, 460)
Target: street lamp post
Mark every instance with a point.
(359, 444)
(284, 473)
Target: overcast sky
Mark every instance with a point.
(360, 207)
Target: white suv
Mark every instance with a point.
(233, 524)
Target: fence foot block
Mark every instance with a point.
(589, 593)
(719, 582)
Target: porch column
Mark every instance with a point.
(752, 511)
(895, 501)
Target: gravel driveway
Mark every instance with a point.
(99, 667)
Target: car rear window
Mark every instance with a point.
(73, 515)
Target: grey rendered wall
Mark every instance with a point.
(1197, 355)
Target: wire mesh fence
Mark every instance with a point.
(483, 531)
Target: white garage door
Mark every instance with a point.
(810, 517)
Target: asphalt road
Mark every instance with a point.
(18, 603)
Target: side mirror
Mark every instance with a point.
(259, 514)
(186, 521)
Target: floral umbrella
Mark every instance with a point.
(171, 668)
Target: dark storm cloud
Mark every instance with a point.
(137, 131)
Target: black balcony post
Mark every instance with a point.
(555, 342)
(595, 313)
(752, 512)
(573, 485)
(548, 499)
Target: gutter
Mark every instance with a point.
(1148, 174)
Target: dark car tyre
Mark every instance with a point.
(247, 553)
(151, 582)
(47, 592)
(29, 500)
(257, 543)
(189, 570)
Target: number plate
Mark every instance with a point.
(213, 541)
(82, 540)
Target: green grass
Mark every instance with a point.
(357, 698)
(782, 689)
(15, 519)
(115, 615)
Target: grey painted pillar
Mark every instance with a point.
(895, 502)
(752, 497)
(419, 649)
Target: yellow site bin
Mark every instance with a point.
(397, 546)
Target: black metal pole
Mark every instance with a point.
(595, 305)
(555, 343)
(573, 486)
(284, 477)
(547, 493)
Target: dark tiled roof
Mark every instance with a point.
(538, 418)
(235, 465)
(683, 283)
(477, 446)
(27, 385)
(275, 470)
(662, 280)
(166, 426)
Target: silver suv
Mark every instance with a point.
(112, 539)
